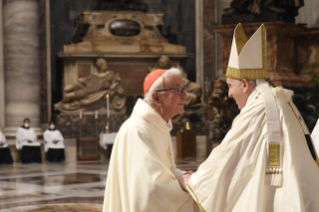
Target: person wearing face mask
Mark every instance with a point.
(5, 154)
(26, 141)
(54, 144)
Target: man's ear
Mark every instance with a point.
(246, 85)
(156, 99)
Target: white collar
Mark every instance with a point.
(144, 110)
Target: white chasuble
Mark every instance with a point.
(50, 136)
(233, 178)
(142, 173)
(25, 134)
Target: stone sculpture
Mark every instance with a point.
(93, 88)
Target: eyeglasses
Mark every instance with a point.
(179, 90)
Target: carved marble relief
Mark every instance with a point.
(92, 88)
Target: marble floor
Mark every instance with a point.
(48, 187)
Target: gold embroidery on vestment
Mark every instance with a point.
(274, 154)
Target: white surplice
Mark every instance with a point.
(233, 178)
(50, 136)
(142, 173)
(315, 136)
(3, 140)
(23, 135)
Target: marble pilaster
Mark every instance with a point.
(199, 41)
(21, 56)
(2, 97)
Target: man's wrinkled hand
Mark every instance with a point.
(182, 180)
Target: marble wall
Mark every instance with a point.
(220, 5)
(209, 40)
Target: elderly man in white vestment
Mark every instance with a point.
(142, 175)
(266, 162)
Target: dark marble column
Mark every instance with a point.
(21, 64)
(209, 40)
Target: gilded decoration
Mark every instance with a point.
(274, 154)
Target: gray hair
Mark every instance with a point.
(158, 83)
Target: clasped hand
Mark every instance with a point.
(183, 180)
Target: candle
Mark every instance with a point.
(80, 114)
(108, 105)
(96, 113)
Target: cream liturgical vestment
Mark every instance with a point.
(142, 173)
(25, 134)
(53, 135)
(233, 178)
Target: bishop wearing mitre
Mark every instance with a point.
(266, 162)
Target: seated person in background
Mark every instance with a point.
(54, 144)
(26, 141)
(5, 154)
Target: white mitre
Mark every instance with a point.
(248, 60)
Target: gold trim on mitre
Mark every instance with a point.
(239, 42)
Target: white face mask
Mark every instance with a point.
(52, 127)
(26, 125)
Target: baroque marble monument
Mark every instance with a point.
(130, 43)
(110, 55)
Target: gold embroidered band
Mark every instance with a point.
(246, 73)
(274, 154)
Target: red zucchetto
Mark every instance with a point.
(151, 77)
